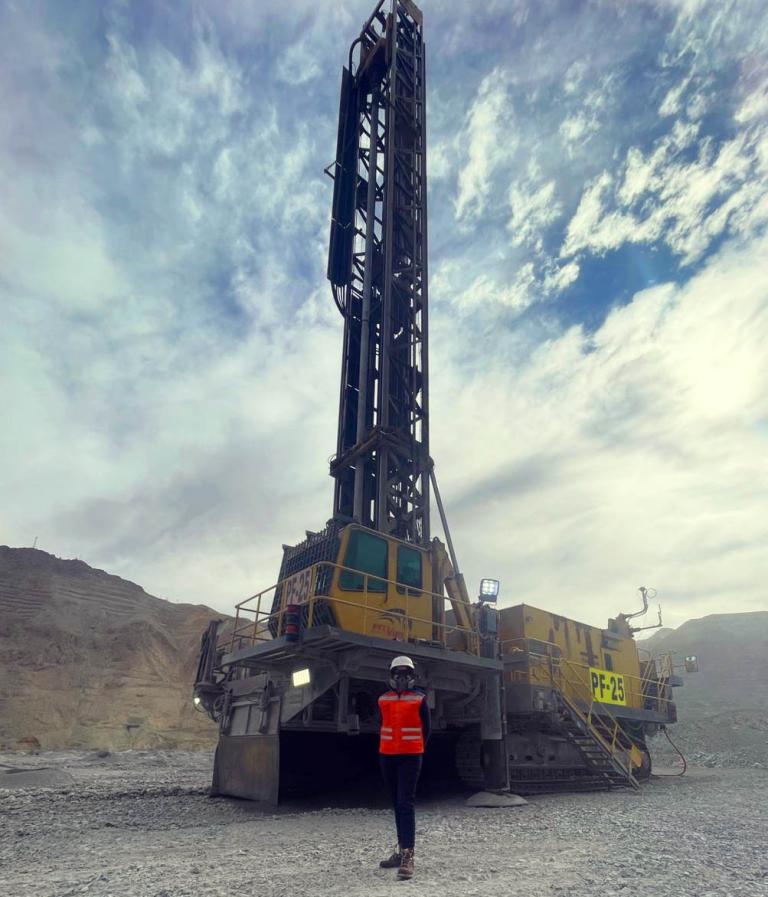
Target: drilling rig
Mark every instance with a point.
(521, 697)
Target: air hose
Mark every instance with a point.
(663, 775)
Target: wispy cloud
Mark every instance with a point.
(666, 195)
(490, 138)
(534, 209)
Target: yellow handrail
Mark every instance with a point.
(637, 684)
(614, 729)
(253, 624)
(561, 672)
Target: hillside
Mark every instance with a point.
(722, 709)
(732, 650)
(91, 660)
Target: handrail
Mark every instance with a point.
(638, 683)
(653, 674)
(614, 732)
(614, 729)
(255, 628)
(403, 585)
(567, 675)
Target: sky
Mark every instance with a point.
(598, 198)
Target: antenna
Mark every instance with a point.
(653, 626)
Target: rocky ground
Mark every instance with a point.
(139, 824)
(731, 738)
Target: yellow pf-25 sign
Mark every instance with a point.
(607, 687)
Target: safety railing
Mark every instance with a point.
(655, 686)
(604, 727)
(544, 664)
(545, 656)
(310, 590)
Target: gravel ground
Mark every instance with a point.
(139, 824)
(732, 738)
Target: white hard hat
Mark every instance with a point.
(402, 661)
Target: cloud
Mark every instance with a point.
(490, 138)
(534, 208)
(574, 77)
(665, 195)
(588, 111)
(199, 471)
(754, 106)
(559, 277)
(485, 292)
(671, 103)
(77, 261)
(145, 351)
(576, 128)
(634, 456)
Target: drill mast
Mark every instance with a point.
(377, 266)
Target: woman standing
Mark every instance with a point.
(405, 728)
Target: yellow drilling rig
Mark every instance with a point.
(521, 698)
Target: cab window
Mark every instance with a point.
(367, 553)
(408, 568)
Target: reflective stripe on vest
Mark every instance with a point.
(401, 731)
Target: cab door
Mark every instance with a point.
(361, 588)
(395, 574)
(410, 588)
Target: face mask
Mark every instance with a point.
(402, 681)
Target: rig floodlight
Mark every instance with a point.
(301, 677)
(489, 589)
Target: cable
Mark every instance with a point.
(669, 775)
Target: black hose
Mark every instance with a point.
(665, 775)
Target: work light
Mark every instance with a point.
(300, 677)
(489, 589)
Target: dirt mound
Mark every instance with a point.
(42, 777)
(90, 660)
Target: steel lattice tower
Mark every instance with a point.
(377, 266)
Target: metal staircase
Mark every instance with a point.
(600, 756)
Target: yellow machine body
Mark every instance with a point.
(377, 585)
(596, 662)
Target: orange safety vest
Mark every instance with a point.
(401, 731)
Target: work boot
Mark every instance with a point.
(406, 863)
(394, 861)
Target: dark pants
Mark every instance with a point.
(401, 773)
